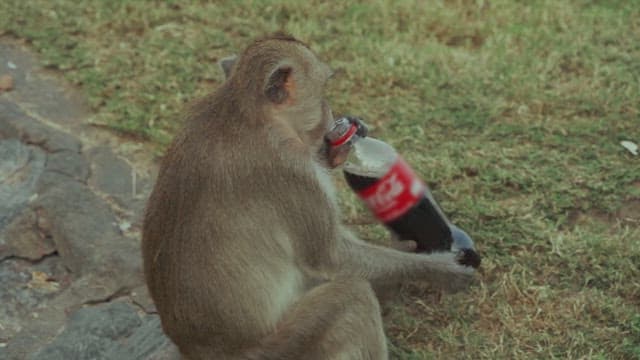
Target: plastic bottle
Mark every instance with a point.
(395, 194)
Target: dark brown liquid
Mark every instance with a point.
(421, 223)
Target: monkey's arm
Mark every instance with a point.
(380, 265)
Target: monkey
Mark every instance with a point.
(244, 253)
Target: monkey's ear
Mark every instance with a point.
(226, 64)
(280, 84)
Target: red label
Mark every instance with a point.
(395, 193)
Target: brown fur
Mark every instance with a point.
(244, 253)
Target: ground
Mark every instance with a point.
(512, 111)
(70, 268)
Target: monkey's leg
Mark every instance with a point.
(336, 320)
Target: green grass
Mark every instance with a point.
(511, 110)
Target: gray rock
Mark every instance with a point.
(20, 170)
(93, 288)
(111, 174)
(49, 214)
(166, 352)
(112, 331)
(147, 341)
(58, 140)
(33, 132)
(141, 297)
(41, 94)
(7, 130)
(84, 229)
(25, 289)
(69, 163)
(92, 332)
(10, 113)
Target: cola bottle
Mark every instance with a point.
(394, 193)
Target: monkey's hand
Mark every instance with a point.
(337, 155)
(381, 265)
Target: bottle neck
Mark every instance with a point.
(349, 134)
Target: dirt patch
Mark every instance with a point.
(629, 212)
(578, 217)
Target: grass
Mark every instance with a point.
(511, 110)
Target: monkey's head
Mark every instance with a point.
(285, 81)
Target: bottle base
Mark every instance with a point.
(469, 257)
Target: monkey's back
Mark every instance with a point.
(215, 227)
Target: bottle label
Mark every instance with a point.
(395, 193)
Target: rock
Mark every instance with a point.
(58, 141)
(166, 352)
(92, 332)
(84, 229)
(21, 300)
(111, 331)
(6, 83)
(33, 132)
(169, 352)
(94, 288)
(7, 128)
(20, 170)
(111, 175)
(23, 239)
(69, 163)
(63, 250)
(42, 282)
(41, 94)
(148, 340)
(140, 296)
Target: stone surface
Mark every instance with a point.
(32, 131)
(20, 169)
(22, 238)
(92, 289)
(112, 331)
(110, 174)
(84, 228)
(71, 283)
(147, 341)
(165, 352)
(69, 163)
(24, 289)
(6, 83)
(92, 332)
(37, 90)
(140, 296)
(7, 130)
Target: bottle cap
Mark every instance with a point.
(341, 131)
(463, 244)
